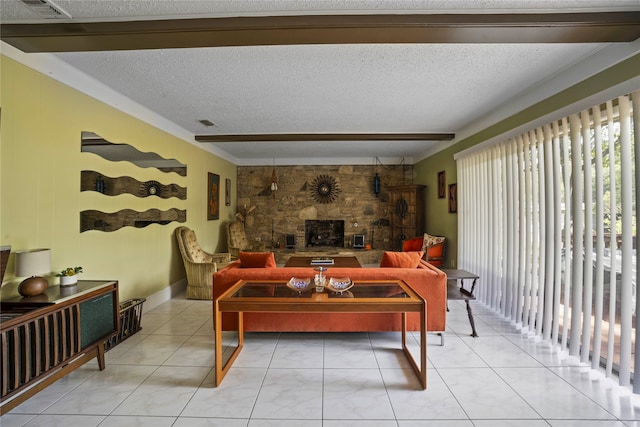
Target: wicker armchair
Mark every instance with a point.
(198, 264)
(237, 240)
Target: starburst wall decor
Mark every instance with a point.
(324, 189)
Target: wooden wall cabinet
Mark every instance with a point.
(47, 336)
(407, 213)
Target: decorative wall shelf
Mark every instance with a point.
(95, 181)
(110, 186)
(102, 221)
(93, 143)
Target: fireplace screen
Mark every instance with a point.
(328, 233)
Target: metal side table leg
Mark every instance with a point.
(471, 321)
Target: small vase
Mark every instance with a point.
(68, 280)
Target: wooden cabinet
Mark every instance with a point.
(407, 213)
(47, 336)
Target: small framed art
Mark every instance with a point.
(453, 198)
(213, 196)
(442, 185)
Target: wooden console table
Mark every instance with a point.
(47, 336)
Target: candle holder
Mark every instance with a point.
(320, 279)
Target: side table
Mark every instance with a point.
(461, 293)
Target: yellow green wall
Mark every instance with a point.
(40, 197)
(438, 220)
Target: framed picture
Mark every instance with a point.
(453, 198)
(227, 192)
(442, 185)
(213, 196)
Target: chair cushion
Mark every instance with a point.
(237, 237)
(401, 259)
(436, 251)
(191, 246)
(257, 260)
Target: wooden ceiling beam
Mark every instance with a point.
(324, 29)
(279, 137)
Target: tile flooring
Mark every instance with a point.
(163, 376)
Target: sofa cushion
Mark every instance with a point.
(257, 260)
(401, 259)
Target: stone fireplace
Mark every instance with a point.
(324, 233)
(285, 211)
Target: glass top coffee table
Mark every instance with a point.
(371, 296)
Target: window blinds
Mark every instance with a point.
(547, 219)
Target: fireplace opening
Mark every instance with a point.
(326, 233)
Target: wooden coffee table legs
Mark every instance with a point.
(223, 367)
(420, 371)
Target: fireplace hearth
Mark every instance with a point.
(324, 233)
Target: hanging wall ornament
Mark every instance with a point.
(324, 189)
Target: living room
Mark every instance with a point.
(42, 162)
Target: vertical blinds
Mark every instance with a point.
(547, 219)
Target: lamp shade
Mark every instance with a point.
(33, 262)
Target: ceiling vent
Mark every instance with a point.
(46, 9)
(206, 122)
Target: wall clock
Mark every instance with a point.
(324, 189)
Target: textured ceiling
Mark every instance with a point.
(364, 88)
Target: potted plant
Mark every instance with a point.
(69, 276)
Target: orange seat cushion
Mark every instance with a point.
(436, 251)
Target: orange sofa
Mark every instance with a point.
(426, 280)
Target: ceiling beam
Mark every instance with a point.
(279, 137)
(324, 29)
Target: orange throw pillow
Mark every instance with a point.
(257, 260)
(401, 259)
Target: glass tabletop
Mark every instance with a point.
(257, 289)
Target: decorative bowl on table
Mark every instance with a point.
(298, 284)
(339, 284)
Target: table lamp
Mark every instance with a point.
(32, 263)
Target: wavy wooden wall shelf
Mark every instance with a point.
(102, 221)
(114, 186)
(94, 143)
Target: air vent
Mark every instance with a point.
(207, 123)
(46, 9)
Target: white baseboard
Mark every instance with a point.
(165, 294)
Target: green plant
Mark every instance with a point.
(70, 271)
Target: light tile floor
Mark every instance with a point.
(163, 376)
